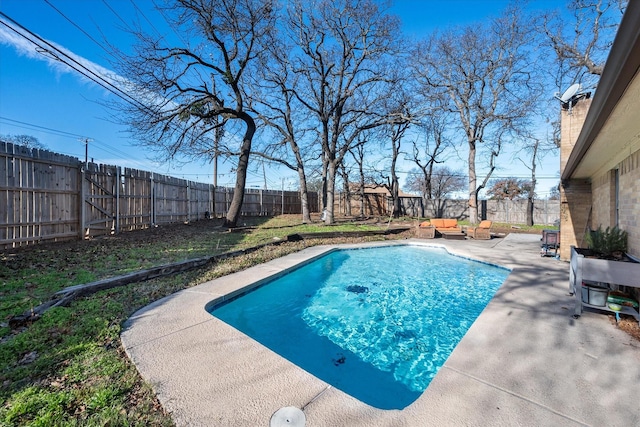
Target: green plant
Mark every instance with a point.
(611, 242)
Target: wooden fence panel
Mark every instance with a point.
(170, 197)
(135, 188)
(200, 201)
(100, 199)
(38, 200)
(47, 196)
(252, 202)
(515, 211)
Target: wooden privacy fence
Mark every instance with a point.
(46, 196)
(505, 211)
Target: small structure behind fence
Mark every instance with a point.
(45, 196)
(506, 211)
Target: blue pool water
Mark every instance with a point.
(376, 323)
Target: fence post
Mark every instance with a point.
(261, 202)
(118, 183)
(212, 202)
(83, 196)
(152, 200)
(188, 201)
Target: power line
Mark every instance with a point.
(76, 25)
(50, 130)
(101, 145)
(80, 68)
(115, 13)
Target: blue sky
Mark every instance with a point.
(41, 97)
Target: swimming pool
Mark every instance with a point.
(376, 323)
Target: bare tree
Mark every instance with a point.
(28, 141)
(346, 187)
(582, 43)
(429, 147)
(442, 182)
(509, 189)
(275, 105)
(536, 148)
(365, 162)
(485, 72)
(343, 67)
(396, 133)
(186, 92)
(358, 154)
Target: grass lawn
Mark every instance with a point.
(68, 368)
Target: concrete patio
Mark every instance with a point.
(525, 361)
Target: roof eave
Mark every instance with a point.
(621, 67)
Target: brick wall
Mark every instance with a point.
(571, 124)
(629, 200)
(603, 189)
(575, 209)
(575, 195)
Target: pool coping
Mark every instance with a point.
(525, 360)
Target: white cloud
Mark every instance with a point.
(56, 56)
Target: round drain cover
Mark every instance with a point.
(289, 416)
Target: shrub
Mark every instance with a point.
(609, 242)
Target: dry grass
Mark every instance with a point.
(627, 324)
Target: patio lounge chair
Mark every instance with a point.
(425, 230)
(481, 232)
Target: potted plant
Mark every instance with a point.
(604, 262)
(608, 244)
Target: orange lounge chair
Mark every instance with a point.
(482, 231)
(446, 225)
(425, 230)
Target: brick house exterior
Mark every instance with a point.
(600, 148)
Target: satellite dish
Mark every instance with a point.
(569, 93)
(571, 96)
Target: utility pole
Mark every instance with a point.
(218, 134)
(215, 169)
(264, 175)
(86, 151)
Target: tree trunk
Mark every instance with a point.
(347, 194)
(394, 182)
(532, 190)
(331, 185)
(325, 167)
(473, 195)
(304, 191)
(241, 173)
(360, 161)
(304, 196)
(397, 207)
(530, 211)
(362, 192)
